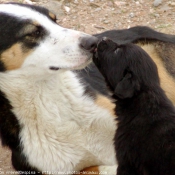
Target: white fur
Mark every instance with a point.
(108, 170)
(63, 130)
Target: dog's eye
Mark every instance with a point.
(36, 33)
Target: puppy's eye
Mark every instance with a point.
(117, 50)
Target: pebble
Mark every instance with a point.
(53, 6)
(131, 15)
(28, 2)
(75, 1)
(172, 3)
(157, 3)
(67, 9)
(106, 22)
(97, 9)
(156, 15)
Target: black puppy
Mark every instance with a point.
(145, 138)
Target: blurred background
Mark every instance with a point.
(94, 16)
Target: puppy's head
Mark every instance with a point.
(128, 69)
(30, 36)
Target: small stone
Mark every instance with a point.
(53, 6)
(119, 3)
(67, 9)
(28, 2)
(157, 3)
(172, 3)
(75, 1)
(110, 4)
(97, 9)
(131, 15)
(157, 15)
(106, 22)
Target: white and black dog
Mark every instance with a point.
(48, 116)
(56, 119)
(145, 138)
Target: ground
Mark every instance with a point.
(95, 16)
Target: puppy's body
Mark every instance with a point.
(145, 138)
(159, 46)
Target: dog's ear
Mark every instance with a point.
(127, 87)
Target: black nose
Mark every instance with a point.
(89, 43)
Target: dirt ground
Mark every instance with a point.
(95, 16)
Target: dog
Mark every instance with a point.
(56, 117)
(145, 137)
(49, 116)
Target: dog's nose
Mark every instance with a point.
(89, 43)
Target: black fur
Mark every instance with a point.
(145, 138)
(93, 81)
(136, 34)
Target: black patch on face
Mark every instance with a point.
(12, 31)
(10, 27)
(124, 67)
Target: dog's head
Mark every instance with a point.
(30, 36)
(128, 69)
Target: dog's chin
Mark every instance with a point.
(82, 66)
(77, 66)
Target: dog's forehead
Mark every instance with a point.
(25, 13)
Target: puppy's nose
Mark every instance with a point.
(89, 43)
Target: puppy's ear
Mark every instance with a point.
(127, 87)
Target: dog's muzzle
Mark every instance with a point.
(89, 43)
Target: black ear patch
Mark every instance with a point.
(127, 87)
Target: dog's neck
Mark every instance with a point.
(61, 86)
(54, 106)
